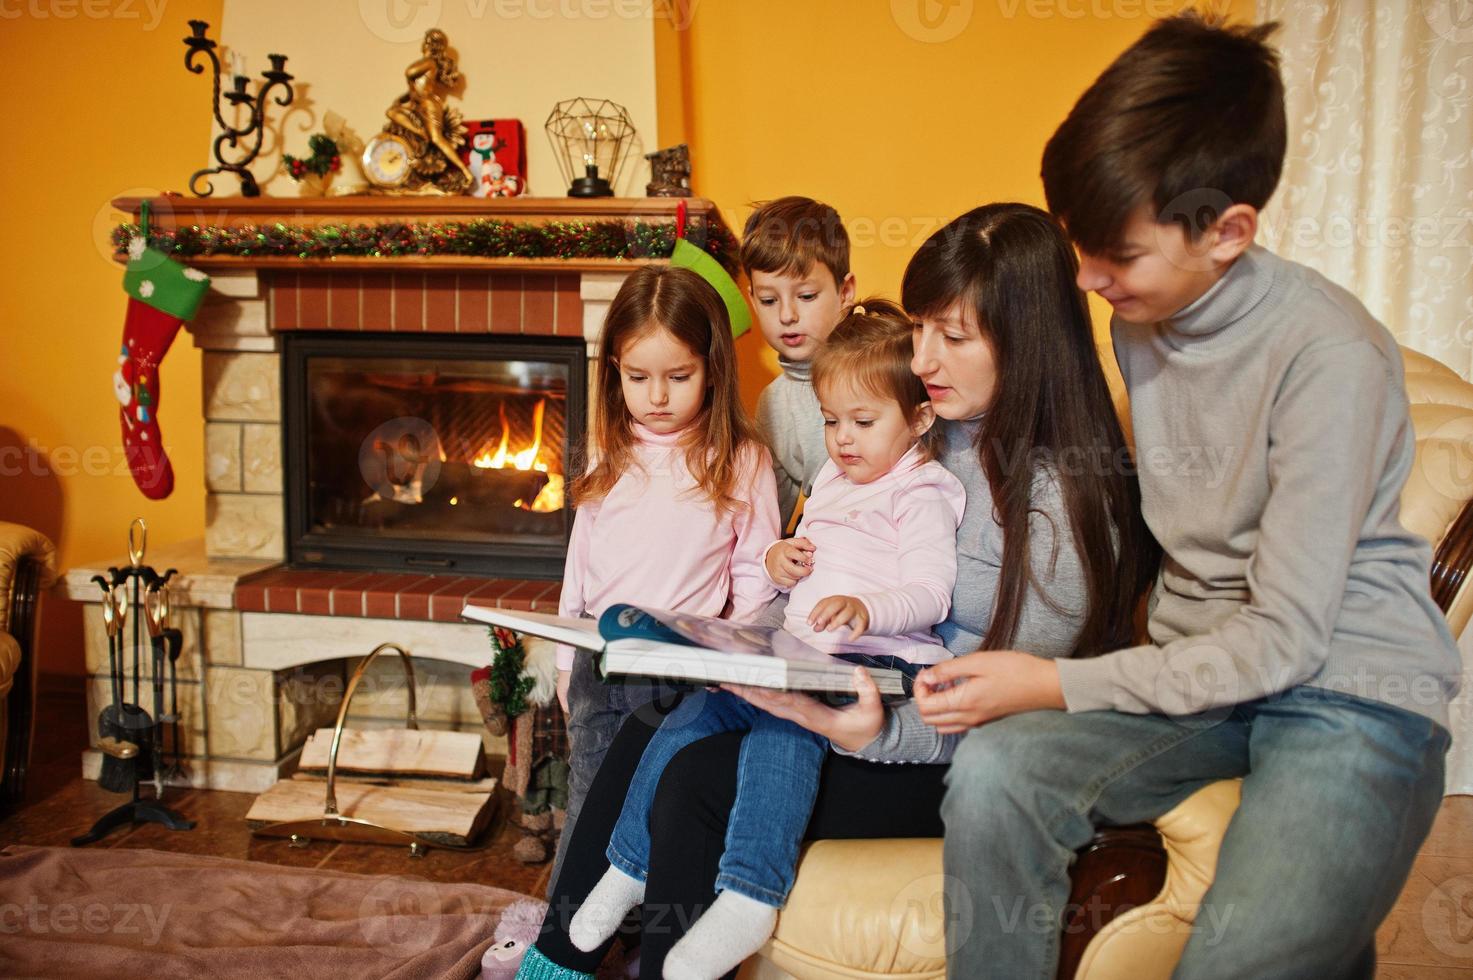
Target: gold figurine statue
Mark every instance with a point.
(419, 150)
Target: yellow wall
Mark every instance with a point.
(94, 107)
(902, 114)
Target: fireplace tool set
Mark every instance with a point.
(134, 748)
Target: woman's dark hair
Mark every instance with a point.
(1011, 267)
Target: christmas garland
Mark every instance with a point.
(509, 688)
(606, 239)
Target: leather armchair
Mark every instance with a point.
(863, 909)
(27, 566)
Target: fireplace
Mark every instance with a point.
(431, 453)
(274, 616)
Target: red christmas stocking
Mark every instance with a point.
(162, 294)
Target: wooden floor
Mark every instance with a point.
(1428, 936)
(61, 805)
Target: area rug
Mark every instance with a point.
(123, 913)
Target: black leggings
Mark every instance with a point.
(856, 800)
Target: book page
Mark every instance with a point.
(560, 629)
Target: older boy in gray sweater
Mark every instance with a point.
(1293, 641)
(795, 253)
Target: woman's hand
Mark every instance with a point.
(840, 610)
(564, 677)
(851, 727)
(962, 693)
(789, 561)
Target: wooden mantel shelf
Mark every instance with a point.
(233, 212)
(412, 263)
(171, 212)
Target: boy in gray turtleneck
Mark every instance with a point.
(1292, 641)
(795, 253)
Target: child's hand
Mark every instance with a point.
(837, 611)
(563, 678)
(790, 561)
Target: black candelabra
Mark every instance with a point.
(237, 139)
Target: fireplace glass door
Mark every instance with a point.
(431, 454)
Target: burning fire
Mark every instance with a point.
(551, 496)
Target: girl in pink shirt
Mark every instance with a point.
(872, 572)
(678, 503)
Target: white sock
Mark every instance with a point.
(604, 908)
(733, 928)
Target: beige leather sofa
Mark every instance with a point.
(27, 566)
(873, 908)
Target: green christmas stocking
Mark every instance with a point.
(162, 294)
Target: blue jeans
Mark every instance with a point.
(1338, 794)
(777, 781)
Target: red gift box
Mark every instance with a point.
(503, 141)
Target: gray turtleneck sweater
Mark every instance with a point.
(1053, 605)
(789, 422)
(1273, 441)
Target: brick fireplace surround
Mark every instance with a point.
(267, 648)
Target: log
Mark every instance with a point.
(445, 817)
(487, 784)
(394, 752)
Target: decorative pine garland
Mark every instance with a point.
(606, 239)
(509, 687)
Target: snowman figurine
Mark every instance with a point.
(491, 178)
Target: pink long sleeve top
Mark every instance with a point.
(656, 540)
(891, 544)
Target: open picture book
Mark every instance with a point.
(635, 642)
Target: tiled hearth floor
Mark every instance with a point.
(60, 804)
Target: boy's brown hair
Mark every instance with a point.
(790, 235)
(1189, 120)
(871, 349)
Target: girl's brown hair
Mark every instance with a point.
(871, 348)
(1011, 265)
(688, 308)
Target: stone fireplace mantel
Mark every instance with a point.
(253, 300)
(263, 664)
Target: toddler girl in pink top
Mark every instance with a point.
(679, 501)
(871, 572)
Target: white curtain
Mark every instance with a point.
(1377, 191)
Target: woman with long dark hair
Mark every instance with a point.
(1052, 555)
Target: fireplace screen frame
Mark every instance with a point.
(308, 548)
